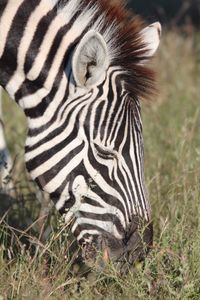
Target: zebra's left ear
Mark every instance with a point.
(90, 60)
(150, 36)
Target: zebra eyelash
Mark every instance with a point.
(104, 153)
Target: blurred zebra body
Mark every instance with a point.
(70, 67)
(6, 163)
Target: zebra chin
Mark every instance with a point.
(124, 253)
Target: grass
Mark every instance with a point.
(32, 269)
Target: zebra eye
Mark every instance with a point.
(104, 153)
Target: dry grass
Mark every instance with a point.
(42, 270)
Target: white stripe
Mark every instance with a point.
(85, 207)
(17, 79)
(54, 141)
(109, 208)
(63, 198)
(112, 106)
(89, 232)
(96, 176)
(105, 225)
(60, 176)
(33, 99)
(123, 165)
(139, 171)
(76, 30)
(55, 159)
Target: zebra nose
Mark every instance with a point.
(123, 253)
(133, 248)
(105, 249)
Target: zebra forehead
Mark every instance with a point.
(121, 31)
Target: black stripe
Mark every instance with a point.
(107, 217)
(33, 86)
(129, 163)
(3, 5)
(129, 118)
(98, 116)
(54, 133)
(117, 122)
(109, 99)
(85, 226)
(121, 130)
(68, 203)
(81, 170)
(39, 159)
(141, 181)
(50, 174)
(117, 105)
(9, 57)
(88, 115)
(35, 131)
(134, 175)
(91, 202)
(39, 110)
(125, 195)
(38, 38)
(109, 199)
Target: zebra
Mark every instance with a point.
(78, 69)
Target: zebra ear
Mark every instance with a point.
(150, 36)
(90, 60)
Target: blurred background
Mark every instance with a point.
(171, 13)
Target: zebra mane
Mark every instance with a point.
(125, 46)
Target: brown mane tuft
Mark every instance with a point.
(139, 78)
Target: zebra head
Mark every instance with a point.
(78, 70)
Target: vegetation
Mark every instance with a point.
(169, 12)
(31, 268)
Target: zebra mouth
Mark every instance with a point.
(122, 253)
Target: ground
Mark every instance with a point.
(35, 269)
